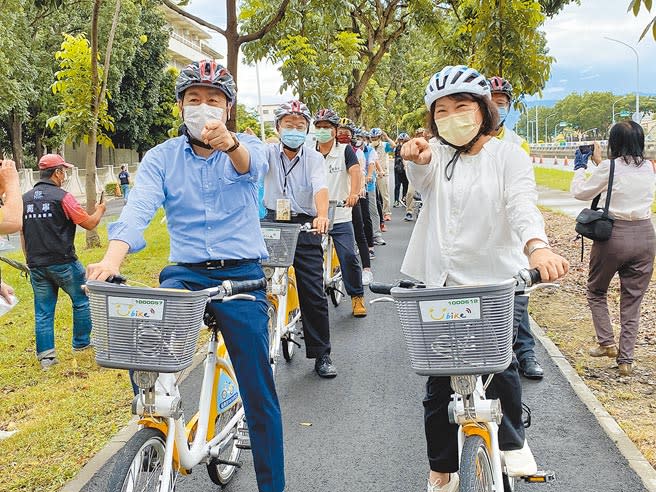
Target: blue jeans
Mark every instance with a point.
(244, 325)
(46, 282)
(524, 346)
(344, 240)
(125, 191)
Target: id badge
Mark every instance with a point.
(283, 209)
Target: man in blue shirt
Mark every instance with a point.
(297, 180)
(206, 180)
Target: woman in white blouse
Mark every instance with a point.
(632, 245)
(479, 196)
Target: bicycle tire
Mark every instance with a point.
(138, 465)
(288, 343)
(475, 466)
(509, 484)
(221, 473)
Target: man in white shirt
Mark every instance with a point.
(344, 182)
(296, 180)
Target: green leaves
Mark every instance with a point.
(635, 6)
(73, 87)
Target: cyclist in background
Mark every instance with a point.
(383, 145)
(465, 235)
(207, 181)
(524, 346)
(400, 177)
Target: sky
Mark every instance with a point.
(585, 61)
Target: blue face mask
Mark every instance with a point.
(503, 114)
(292, 138)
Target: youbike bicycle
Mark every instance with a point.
(154, 332)
(285, 311)
(465, 332)
(333, 283)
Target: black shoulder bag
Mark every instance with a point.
(595, 223)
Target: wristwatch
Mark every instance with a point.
(235, 145)
(535, 247)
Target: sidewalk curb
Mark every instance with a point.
(636, 459)
(116, 443)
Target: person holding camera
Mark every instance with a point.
(632, 245)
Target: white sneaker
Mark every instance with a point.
(452, 486)
(367, 277)
(520, 462)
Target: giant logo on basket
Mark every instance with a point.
(128, 307)
(450, 309)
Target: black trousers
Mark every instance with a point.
(379, 205)
(442, 435)
(400, 178)
(363, 203)
(308, 263)
(360, 236)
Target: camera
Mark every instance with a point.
(586, 149)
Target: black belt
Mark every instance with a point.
(215, 264)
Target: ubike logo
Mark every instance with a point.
(127, 307)
(450, 310)
(446, 315)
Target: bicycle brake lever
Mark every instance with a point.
(381, 299)
(548, 285)
(237, 297)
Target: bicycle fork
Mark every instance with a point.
(476, 415)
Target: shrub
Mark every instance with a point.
(112, 189)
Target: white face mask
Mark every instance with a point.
(195, 117)
(458, 129)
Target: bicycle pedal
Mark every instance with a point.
(243, 443)
(540, 477)
(226, 462)
(242, 437)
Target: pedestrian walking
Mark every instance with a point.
(50, 219)
(630, 250)
(124, 181)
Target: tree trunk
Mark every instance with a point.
(38, 144)
(16, 131)
(232, 39)
(93, 240)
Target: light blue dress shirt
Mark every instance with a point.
(211, 210)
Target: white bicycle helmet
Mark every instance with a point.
(452, 80)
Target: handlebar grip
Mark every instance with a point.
(234, 287)
(116, 279)
(380, 288)
(536, 278)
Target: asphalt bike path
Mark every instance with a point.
(363, 431)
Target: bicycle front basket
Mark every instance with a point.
(280, 239)
(145, 329)
(451, 331)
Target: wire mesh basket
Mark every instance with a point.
(280, 239)
(452, 331)
(145, 329)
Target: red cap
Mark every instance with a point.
(49, 161)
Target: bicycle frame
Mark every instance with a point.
(284, 298)
(330, 262)
(219, 385)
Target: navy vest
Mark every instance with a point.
(49, 234)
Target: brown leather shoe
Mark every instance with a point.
(626, 368)
(359, 308)
(603, 351)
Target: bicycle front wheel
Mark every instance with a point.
(475, 466)
(222, 473)
(139, 464)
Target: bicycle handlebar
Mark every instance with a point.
(526, 278)
(234, 287)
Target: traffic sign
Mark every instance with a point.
(625, 113)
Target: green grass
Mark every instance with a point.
(561, 180)
(66, 415)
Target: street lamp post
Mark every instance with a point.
(614, 107)
(637, 73)
(546, 131)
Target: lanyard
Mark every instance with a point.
(285, 172)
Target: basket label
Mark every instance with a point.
(270, 233)
(450, 309)
(129, 307)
